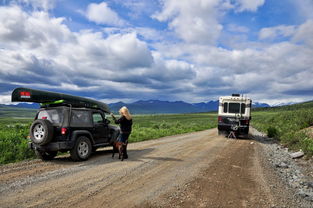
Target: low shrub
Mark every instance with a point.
(272, 132)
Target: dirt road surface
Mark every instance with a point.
(191, 170)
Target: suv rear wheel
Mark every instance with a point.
(46, 155)
(82, 149)
(41, 132)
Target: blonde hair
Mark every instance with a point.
(125, 112)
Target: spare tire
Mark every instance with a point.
(41, 131)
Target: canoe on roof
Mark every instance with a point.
(22, 94)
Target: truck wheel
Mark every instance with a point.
(41, 132)
(46, 155)
(82, 149)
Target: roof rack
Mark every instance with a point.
(47, 98)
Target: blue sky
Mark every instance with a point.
(128, 50)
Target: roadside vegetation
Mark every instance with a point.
(13, 140)
(288, 124)
(155, 126)
(14, 131)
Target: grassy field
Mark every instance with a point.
(9, 112)
(288, 124)
(13, 132)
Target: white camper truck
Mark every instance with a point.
(234, 114)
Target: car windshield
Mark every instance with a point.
(55, 116)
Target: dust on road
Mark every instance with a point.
(198, 169)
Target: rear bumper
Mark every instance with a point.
(227, 127)
(55, 146)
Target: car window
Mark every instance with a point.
(55, 116)
(97, 118)
(225, 107)
(234, 108)
(243, 108)
(80, 118)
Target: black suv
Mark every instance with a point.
(79, 130)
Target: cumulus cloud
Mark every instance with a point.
(249, 5)
(198, 21)
(304, 8)
(237, 28)
(277, 32)
(29, 31)
(193, 21)
(37, 4)
(102, 14)
(40, 51)
(304, 33)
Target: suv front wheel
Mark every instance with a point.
(82, 149)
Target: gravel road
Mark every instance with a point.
(191, 170)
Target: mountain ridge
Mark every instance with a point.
(154, 106)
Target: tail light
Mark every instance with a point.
(63, 131)
(220, 119)
(246, 122)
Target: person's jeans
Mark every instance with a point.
(123, 137)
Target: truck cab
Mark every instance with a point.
(234, 114)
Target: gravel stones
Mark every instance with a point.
(285, 164)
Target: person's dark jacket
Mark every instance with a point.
(125, 124)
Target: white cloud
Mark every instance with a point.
(193, 21)
(30, 31)
(102, 14)
(276, 32)
(304, 33)
(38, 4)
(237, 28)
(5, 99)
(249, 5)
(304, 8)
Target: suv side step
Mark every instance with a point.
(102, 144)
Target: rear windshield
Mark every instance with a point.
(55, 116)
(234, 108)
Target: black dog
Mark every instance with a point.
(119, 147)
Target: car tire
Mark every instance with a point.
(46, 155)
(82, 149)
(41, 132)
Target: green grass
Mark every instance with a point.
(13, 132)
(287, 125)
(155, 126)
(13, 142)
(9, 112)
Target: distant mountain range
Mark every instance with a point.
(155, 106)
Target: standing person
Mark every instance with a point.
(125, 122)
